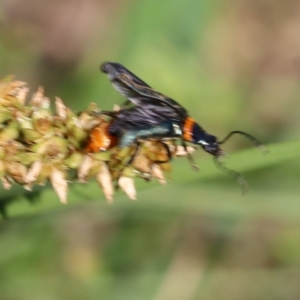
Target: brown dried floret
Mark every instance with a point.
(5, 183)
(59, 182)
(105, 181)
(84, 168)
(17, 171)
(61, 109)
(127, 185)
(37, 98)
(33, 172)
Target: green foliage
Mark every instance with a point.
(232, 65)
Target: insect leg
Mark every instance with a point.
(235, 175)
(189, 156)
(168, 150)
(126, 103)
(129, 162)
(108, 113)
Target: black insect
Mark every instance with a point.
(155, 115)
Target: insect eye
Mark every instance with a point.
(210, 139)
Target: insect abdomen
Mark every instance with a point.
(100, 139)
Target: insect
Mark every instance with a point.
(156, 116)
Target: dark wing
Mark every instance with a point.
(136, 90)
(113, 70)
(138, 117)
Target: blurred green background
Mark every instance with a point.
(233, 65)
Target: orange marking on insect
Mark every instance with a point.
(100, 139)
(188, 128)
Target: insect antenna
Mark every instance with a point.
(235, 175)
(250, 137)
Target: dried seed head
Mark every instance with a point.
(26, 158)
(166, 167)
(93, 108)
(28, 132)
(10, 132)
(155, 151)
(31, 135)
(89, 119)
(116, 107)
(37, 98)
(24, 122)
(10, 148)
(127, 185)
(22, 94)
(75, 130)
(105, 181)
(5, 115)
(84, 168)
(16, 171)
(5, 183)
(102, 156)
(127, 172)
(55, 147)
(34, 172)
(8, 92)
(142, 164)
(157, 172)
(74, 160)
(42, 120)
(61, 109)
(60, 184)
